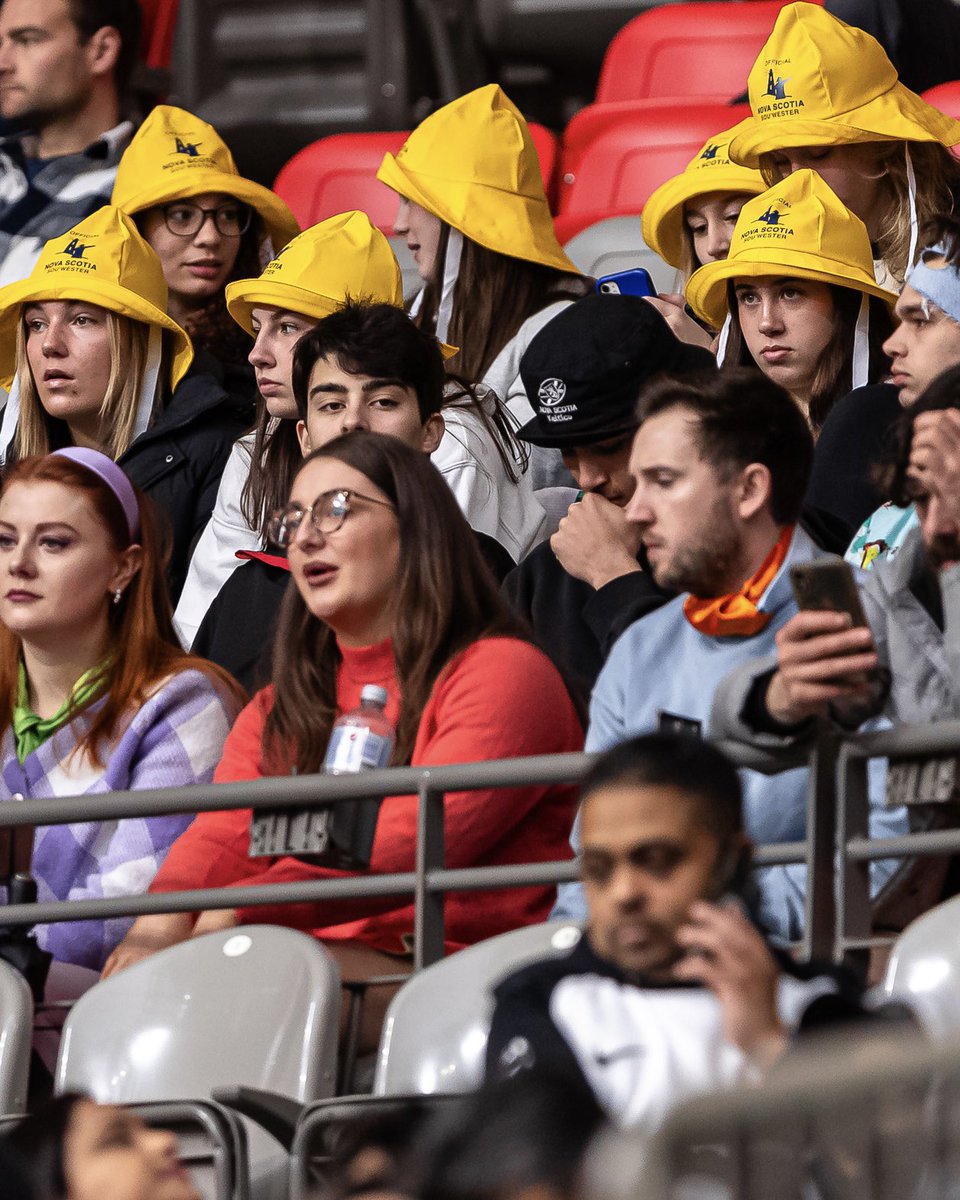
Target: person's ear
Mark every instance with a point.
(753, 489)
(128, 564)
(303, 436)
(103, 49)
(433, 430)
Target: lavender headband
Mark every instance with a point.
(112, 476)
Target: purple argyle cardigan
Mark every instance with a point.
(174, 739)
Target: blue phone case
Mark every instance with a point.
(636, 282)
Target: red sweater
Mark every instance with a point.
(500, 698)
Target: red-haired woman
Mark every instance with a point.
(390, 590)
(96, 694)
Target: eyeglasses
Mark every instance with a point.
(327, 514)
(185, 219)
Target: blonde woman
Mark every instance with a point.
(91, 359)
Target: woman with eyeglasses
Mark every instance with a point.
(208, 224)
(390, 589)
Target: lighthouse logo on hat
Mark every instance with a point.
(769, 224)
(551, 392)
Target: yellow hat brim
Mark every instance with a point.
(528, 238)
(104, 294)
(244, 295)
(662, 219)
(897, 115)
(281, 225)
(706, 290)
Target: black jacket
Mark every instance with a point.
(178, 461)
(575, 624)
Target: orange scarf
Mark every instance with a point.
(737, 615)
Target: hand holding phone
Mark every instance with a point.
(825, 654)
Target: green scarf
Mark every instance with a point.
(31, 731)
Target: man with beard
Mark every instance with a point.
(823, 668)
(672, 991)
(720, 468)
(64, 70)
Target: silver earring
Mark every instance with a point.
(118, 595)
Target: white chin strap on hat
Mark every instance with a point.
(451, 269)
(151, 378)
(11, 415)
(912, 198)
(861, 344)
(723, 339)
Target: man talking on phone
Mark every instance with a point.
(672, 991)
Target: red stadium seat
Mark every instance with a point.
(946, 97)
(614, 155)
(690, 50)
(159, 24)
(339, 173)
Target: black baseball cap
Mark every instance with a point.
(584, 370)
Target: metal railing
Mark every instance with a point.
(837, 851)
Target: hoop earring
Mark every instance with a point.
(118, 595)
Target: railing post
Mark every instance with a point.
(428, 907)
(854, 916)
(820, 902)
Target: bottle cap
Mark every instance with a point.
(373, 693)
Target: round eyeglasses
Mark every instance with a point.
(185, 219)
(327, 514)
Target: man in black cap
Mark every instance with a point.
(583, 372)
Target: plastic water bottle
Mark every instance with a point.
(361, 740)
(338, 835)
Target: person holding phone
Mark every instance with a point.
(690, 219)
(672, 990)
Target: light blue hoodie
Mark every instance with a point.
(663, 665)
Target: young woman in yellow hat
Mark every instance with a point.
(340, 259)
(798, 296)
(475, 215)
(207, 223)
(825, 96)
(689, 221)
(91, 358)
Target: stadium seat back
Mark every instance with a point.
(616, 244)
(924, 969)
(339, 173)
(159, 26)
(615, 156)
(946, 97)
(16, 1033)
(687, 50)
(435, 1035)
(257, 1006)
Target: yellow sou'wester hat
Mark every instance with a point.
(821, 82)
(473, 164)
(175, 155)
(105, 261)
(798, 230)
(709, 171)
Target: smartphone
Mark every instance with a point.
(827, 585)
(636, 282)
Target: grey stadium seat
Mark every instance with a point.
(16, 1033)
(615, 244)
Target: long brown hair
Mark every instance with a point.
(275, 459)
(937, 175)
(834, 374)
(493, 296)
(144, 646)
(444, 597)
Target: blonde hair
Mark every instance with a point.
(937, 173)
(118, 412)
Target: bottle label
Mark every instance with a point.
(353, 748)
